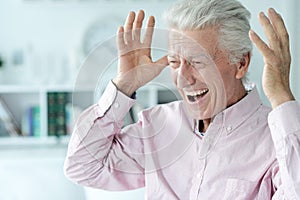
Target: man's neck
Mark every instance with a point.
(204, 124)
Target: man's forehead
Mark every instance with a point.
(180, 37)
(198, 56)
(191, 42)
(187, 49)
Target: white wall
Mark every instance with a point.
(52, 32)
(295, 46)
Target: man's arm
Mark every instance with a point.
(100, 153)
(284, 120)
(284, 123)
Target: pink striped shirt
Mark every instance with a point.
(248, 151)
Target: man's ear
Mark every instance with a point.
(242, 66)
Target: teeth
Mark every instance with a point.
(200, 92)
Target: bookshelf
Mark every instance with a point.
(19, 98)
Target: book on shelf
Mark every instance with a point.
(31, 122)
(36, 121)
(57, 117)
(8, 124)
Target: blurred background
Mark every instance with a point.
(43, 46)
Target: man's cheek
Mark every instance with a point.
(174, 76)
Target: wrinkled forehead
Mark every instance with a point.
(182, 45)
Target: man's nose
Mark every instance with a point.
(185, 75)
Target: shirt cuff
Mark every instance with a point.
(114, 100)
(284, 120)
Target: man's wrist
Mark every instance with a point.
(280, 99)
(126, 88)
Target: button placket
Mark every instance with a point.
(201, 171)
(200, 174)
(198, 178)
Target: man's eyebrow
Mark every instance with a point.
(205, 57)
(172, 55)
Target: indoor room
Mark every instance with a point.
(56, 59)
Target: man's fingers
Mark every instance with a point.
(163, 61)
(128, 27)
(280, 28)
(120, 40)
(160, 64)
(149, 31)
(137, 25)
(269, 31)
(261, 45)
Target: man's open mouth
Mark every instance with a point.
(196, 95)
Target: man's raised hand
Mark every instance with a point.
(135, 65)
(277, 58)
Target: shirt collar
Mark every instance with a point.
(236, 114)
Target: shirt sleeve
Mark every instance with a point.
(100, 153)
(284, 123)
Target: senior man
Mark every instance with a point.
(219, 142)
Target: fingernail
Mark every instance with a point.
(251, 32)
(271, 10)
(131, 13)
(261, 14)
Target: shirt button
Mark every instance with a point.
(209, 139)
(229, 128)
(116, 105)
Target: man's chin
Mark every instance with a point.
(200, 114)
(199, 117)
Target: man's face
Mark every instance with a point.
(201, 72)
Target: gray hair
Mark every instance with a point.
(230, 16)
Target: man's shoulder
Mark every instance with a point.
(264, 109)
(261, 114)
(174, 108)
